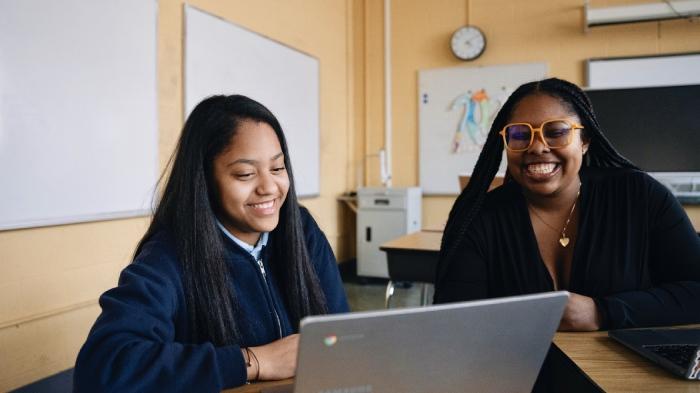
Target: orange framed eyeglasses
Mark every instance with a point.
(555, 134)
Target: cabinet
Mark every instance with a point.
(383, 214)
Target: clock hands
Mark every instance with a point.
(468, 43)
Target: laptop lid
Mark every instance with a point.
(675, 349)
(486, 345)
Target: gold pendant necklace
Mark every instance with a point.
(564, 240)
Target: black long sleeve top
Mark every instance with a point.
(637, 254)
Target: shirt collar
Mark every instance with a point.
(252, 250)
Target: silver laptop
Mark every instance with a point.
(495, 345)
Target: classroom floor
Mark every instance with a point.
(366, 294)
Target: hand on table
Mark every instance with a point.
(580, 314)
(277, 360)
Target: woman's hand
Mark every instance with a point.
(580, 314)
(276, 360)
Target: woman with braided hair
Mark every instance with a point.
(572, 214)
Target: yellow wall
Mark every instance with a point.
(50, 278)
(516, 32)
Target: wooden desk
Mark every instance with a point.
(414, 258)
(615, 368)
(426, 240)
(257, 387)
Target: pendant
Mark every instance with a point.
(564, 241)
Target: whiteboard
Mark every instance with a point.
(456, 108)
(651, 71)
(223, 58)
(78, 124)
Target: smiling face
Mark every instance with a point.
(542, 171)
(251, 181)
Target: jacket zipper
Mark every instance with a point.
(274, 309)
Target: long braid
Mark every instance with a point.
(470, 200)
(468, 204)
(461, 213)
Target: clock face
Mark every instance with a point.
(468, 43)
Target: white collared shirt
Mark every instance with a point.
(253, 250)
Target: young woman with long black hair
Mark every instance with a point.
(572, 214)
(228, 267)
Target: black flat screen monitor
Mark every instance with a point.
(657, 128)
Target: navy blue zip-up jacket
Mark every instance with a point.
(140, 341)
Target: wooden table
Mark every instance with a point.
(614, 368)
(426, 240)
(413, 258)
(257, 387)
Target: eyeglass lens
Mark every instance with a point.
(556, 134)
